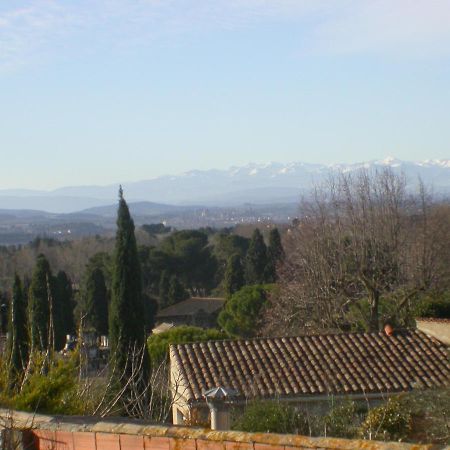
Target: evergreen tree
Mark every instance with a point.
(63, 318)
(275, 254)
(126, 313)
(95, 308)
(234, 275)
(177, 293)
(256, 260)
(18, 344)
(164, 287)
(39, 306)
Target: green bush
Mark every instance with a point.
(158, 344)
(430, 410)
(272, 417)
(343, 421)
(391, 421)
(434, 305)
(50, 391)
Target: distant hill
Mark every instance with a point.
(253, 183)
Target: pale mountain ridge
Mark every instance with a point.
(269, 182)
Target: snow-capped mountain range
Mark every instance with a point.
(253, 183)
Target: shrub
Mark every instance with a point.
(158, 344)
(272, 417)
(436, 305)
(391, 421)
(343, 420)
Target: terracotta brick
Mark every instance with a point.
(64, 440)
(182, 444)
(46, 439)
(238, 446)
(269, 447)
(107, 441)
(156, 443)
(210, 445)
(131, 442)
(84, 441)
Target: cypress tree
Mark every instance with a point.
(18, 343)
(256, 260)
(275, 254)
(63, 318)
(126, 313)
(39, 305)
(234, 275)
(96, 302)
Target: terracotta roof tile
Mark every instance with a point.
(351, 363)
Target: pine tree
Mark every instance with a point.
(18, 343)
(95, 308)
(234, 275)
(163, 290)
(177, 293)
(126, 313)
(63, 318)
(256, 260)
(275, 254)
(39, 306)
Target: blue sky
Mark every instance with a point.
(102, 91)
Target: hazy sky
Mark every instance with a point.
(101, 91)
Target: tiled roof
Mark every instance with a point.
(351, 363)
(191, 306)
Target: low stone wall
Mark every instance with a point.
(42, 432)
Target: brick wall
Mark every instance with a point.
(87, 433)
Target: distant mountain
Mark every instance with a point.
(253, 183)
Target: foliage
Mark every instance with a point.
(48, 391)
(158, 344)
(272, 417)
(434, 305)
(241, 313)
(343, 420)
(63, 306)
(163, 289)
(234, 275)
(156, 228)
(256, 260)
(390, 421)
(392, 308)
(39, 305)
(17, 344)
(95, 304)
(430, 411)
(192, 259)
(275, 254)
(176, 293)
(126, 313)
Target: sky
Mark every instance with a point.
(107, 91)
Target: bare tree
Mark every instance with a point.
(361, 236)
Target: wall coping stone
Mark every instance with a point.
(27, 421)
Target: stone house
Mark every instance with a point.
(307, 371)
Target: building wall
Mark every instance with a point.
(437, 328)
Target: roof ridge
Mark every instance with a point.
(352, 333)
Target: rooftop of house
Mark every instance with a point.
(191, 306)
(326, 364)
